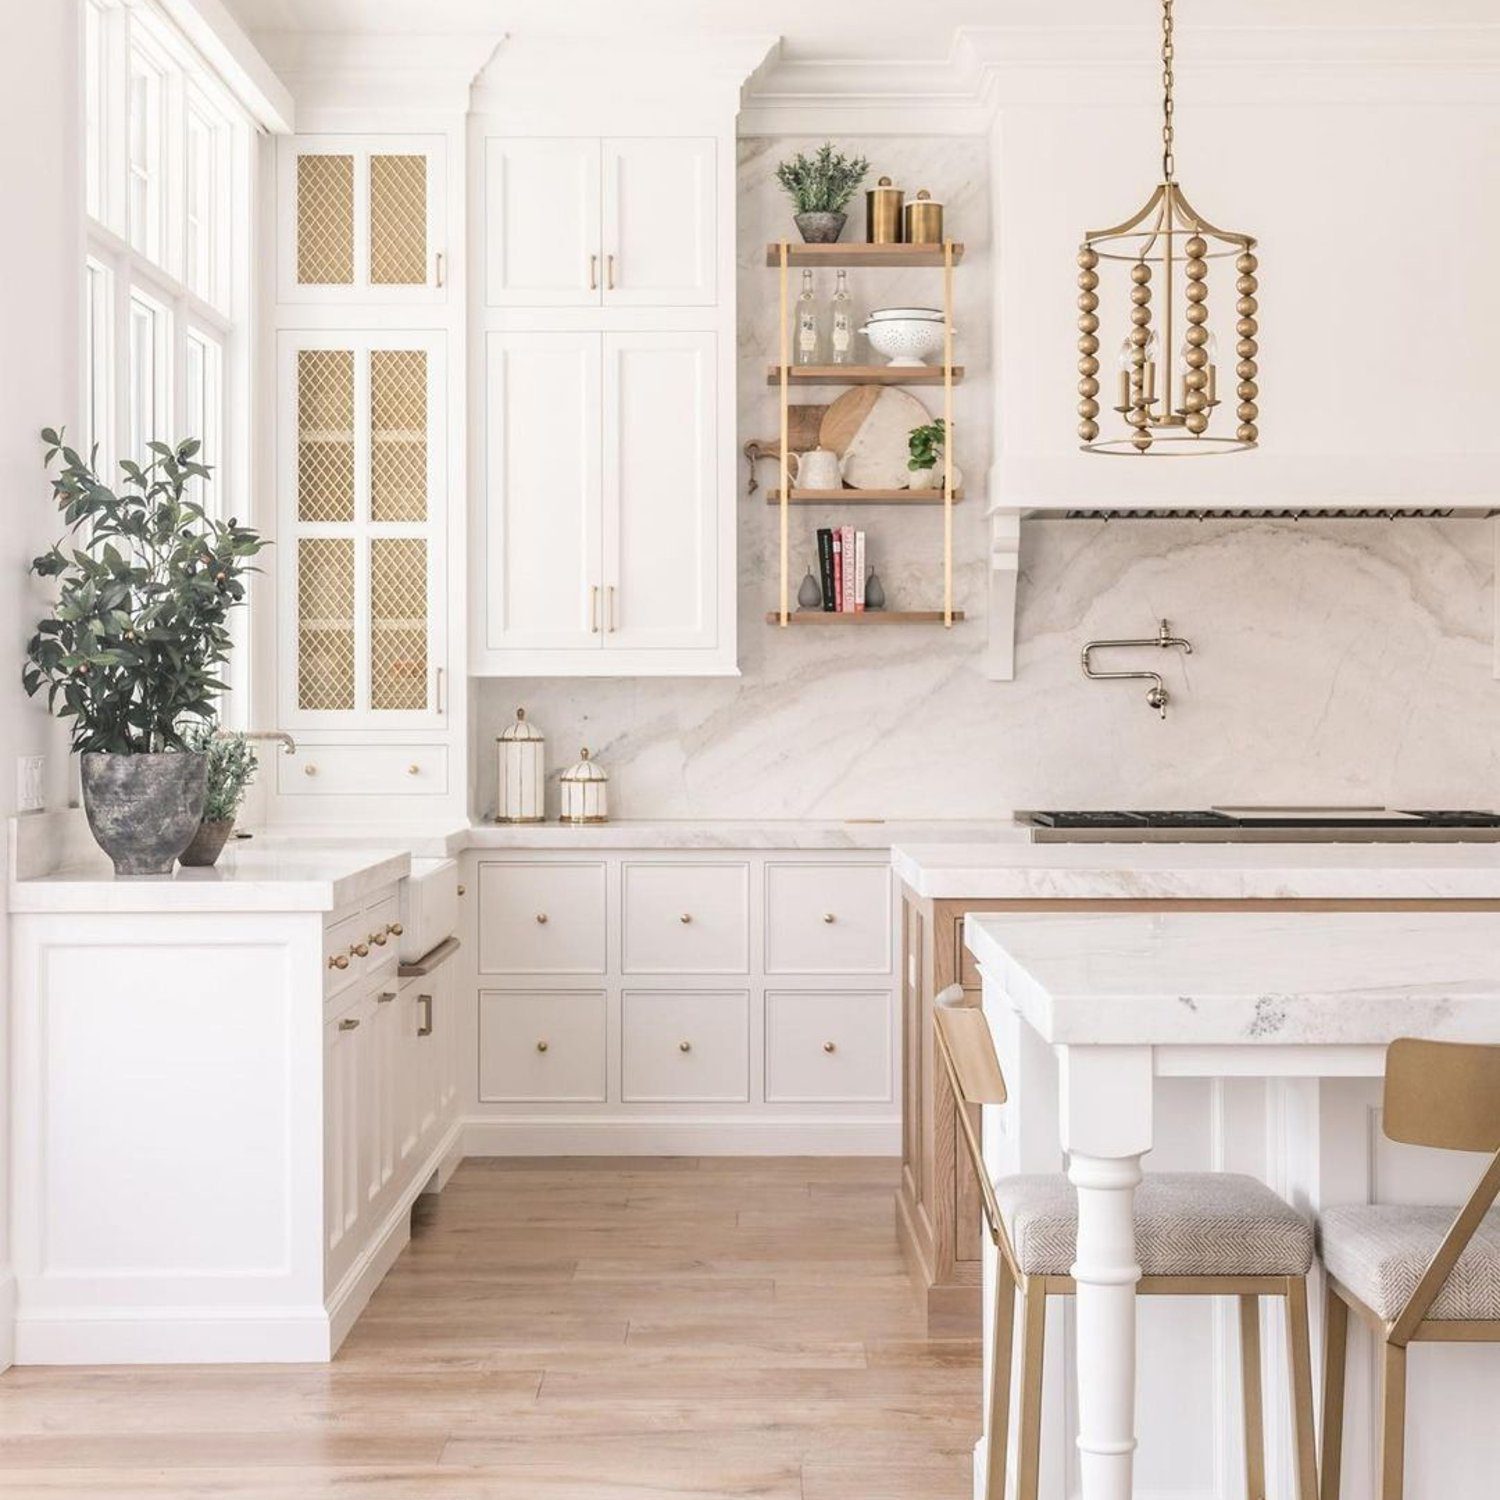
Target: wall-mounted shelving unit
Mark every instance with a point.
(783, 256)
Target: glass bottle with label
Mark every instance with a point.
(842, 332)
(807, 323)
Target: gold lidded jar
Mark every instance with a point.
(924, 220)
(585, 792)
(521, 766)
(883, 213)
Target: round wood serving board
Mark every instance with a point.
(868, 428)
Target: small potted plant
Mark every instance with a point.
(925, 444)
(145, 582)
(231, 767)
(819, 187)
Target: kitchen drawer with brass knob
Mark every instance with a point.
(684, 917)
(825, 918)
(541, 917)
(684, 1045)
(542, 1045)
(341, 770)
(342, 960)
(828, 1047)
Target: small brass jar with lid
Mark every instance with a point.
(924, 220)
(883, 213)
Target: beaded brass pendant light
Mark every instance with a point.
(1167, 397)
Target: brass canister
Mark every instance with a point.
(924, 220)
(883, 213)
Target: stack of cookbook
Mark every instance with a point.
(841, 565)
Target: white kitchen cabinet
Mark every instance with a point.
(828, 1046)
(580, 222)
(823, 919)
(685, 1046)
(361, 219)
(543, 1045)
(542, 918)
(362, 553)
(345, 1113)
(601, 524)
(685, 918)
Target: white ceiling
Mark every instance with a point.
(890, 29)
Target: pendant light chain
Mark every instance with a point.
(1168, 164)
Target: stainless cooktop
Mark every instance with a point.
(1266, 825)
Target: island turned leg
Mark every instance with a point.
(1106, 1129)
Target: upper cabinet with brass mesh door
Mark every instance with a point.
(362, 219)
(362, 529)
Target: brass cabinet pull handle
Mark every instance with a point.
(609, 608)
(349, 1023)
(360, 950)
(684, 1046)
(828, 916)
(463, 890)
(609, 271)
(541, 919)
(594, 272)
(396, 929)
(437, 692)
(541, 1046)
(685, 918)
(338, 961)
(385, 997)
(425, 1029)
(441, 276)
(829, 1047)
(593, 609)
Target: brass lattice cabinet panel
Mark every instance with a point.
(398, 220)
(325, 435)
(398, 623)
(398, 435)
(325, 220)
(325, 623)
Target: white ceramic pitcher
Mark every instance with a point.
(817, 469)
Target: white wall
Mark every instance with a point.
(40, 266)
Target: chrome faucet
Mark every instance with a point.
(1158, 697)
(280, 736)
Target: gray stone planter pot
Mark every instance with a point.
(208, 843)
(821, 229)
(143, 810)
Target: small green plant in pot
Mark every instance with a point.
(231, 768)
(820, 186)
(131, 653)
(925, 444)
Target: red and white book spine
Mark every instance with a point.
(848, 537)
(859, 572)
(838, 567)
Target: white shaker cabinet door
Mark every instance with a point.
(660, 506)
(542, 511)
(541, 221)
(659, 221)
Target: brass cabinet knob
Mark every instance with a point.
(309, 769)
(395, 929)
(385, 997)
(828, 916)
(684, 1046)
(349, 1023)
(360, 950)
(541, 919)
(338, 961)
(829, 1047)
(463, 891)
(541, 1046)
(378, 938)
(685, 918)
(414, 769)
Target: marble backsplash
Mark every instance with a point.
(1334, 661)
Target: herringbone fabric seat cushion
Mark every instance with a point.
(1379, 1252)
(1186, 1224)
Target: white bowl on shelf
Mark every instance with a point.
(904, 341)
(927, 314)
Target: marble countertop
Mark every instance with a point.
(771, 833)
(248, 878)
(1210, 978)
(1016, 870)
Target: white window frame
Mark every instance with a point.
(215, 309)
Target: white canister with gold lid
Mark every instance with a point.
(521, 780)
(585, 792)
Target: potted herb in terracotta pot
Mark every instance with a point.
(231, 766)
(819, 187)
(131, 654)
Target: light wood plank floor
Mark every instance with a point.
(564, 1330)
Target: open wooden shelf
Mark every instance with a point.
(855, 254)
(862, 497)
(862, 374)
(861, 617)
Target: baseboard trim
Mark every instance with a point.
(637, 1135)
(173, 1336)
(7, 1318)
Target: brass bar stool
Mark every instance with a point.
(1415, 1273)
(1199, 1234)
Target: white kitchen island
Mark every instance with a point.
(1240, 1041)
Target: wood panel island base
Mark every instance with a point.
(937, 1206)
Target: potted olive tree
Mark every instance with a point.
(820, 186)
(145, 582)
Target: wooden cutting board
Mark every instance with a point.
(868, 428)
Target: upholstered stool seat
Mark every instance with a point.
(1186, 1224)
(1379, 1251)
